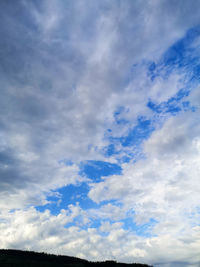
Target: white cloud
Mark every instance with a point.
(60, 92)
(167, 180)
(108, 211)
(66, 69)
(164, 186)
(37, 231)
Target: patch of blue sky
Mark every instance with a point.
(96, 223)
(144, 230)
(118, 116)
(175, 104)
(145, 127)
(52, 205)
(181, 55)
(130, 145)
(125, 159)
(71, 194)
(110, 150)
(125, 154)
(94, 169)
(67, 195)
(140, 132)
(172, 105)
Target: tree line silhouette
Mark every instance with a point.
(20, 258)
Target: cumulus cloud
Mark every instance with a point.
(31, 229)
(66, 68)
(165, 185)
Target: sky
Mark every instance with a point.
(100, 129)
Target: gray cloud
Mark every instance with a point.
(65, 69)
(34, 230)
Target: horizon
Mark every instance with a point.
(100, 129)
(12, 252)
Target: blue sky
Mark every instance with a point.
(99, 129)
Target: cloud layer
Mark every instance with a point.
(101, 81)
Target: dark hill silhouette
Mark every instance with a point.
(19, 258)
